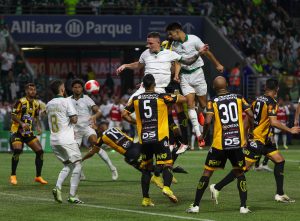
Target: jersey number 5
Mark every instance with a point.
(147, 109)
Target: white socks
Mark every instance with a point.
(102, 153)
(64, 173)
(75, 179)
(194, 119)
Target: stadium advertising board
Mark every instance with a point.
(94, 29)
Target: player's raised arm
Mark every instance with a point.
(132, 66)
(275, 123)
(214, 60)
(191, 60)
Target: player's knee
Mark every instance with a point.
(16, 153)
(40, 153)
(279, 165)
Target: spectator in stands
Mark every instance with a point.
(12, 85)
(71, 6)
(109, 84)
(96, 6)
(90, 73)
(7, 60)
(68, 83)
(20, 63)
(235, 78)
(23, 79)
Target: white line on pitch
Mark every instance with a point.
(110, 208)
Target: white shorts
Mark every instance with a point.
(83, 133)
(159, 90)
(193, 83)
(67, 152)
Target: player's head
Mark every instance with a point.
(153, 41)
(173, 31)
(57, 87)
(77, 87)
(149, 82)
(219, 84)
(272, 85)
(30, 90)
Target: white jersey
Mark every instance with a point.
(189, 48)
(83, 106)
(59, 111)
(159, 65)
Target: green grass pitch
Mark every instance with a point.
(120, 200)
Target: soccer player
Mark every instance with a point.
(282, 116)
(228, 139)
(265, 116)
(192, 79)
(87, 113)
(152, 125)
(25, 112)
(157, 61)
(61, 118)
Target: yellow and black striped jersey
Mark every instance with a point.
(26, 111)
(228, 120)
(166, 44)
(116, 139)
(151, 115)
(263, 108)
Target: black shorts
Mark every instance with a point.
(217, 158)
(255, 149)
(133, 153)
(19, 138)
(161, 151)
(172, 86)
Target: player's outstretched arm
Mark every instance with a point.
(213, 59)
(275, 123)
(95, 149)
(191, 60)
(126, 116)
(132, 66)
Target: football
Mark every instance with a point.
(92, 87)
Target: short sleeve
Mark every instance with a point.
(71, 111)
(17, 108)
(142, 58)
(99, 141)
(210, 108)
(90, 102)
(198, 43)
(130, 106)
(174, 56)
(272, 109)
(245, 104)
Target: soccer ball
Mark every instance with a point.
(92, 87)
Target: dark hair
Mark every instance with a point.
(29, 85)
(148, 81)
(272, 84)
(77, 81)
(54, 85)
(174, 26)
(153, 35)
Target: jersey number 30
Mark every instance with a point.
(229, 113)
